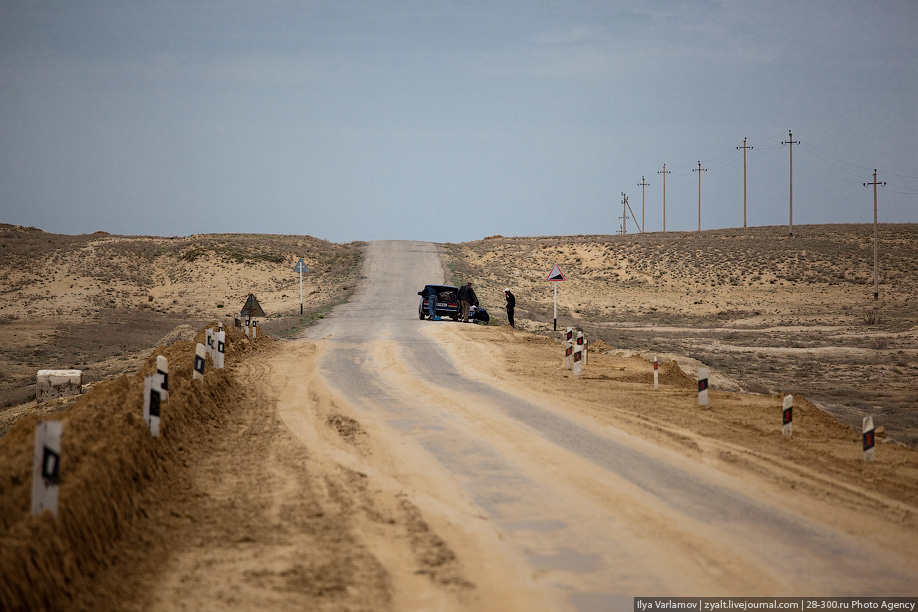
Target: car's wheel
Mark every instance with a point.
(454, 317)
(421, 314)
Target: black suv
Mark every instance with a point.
(447, 302)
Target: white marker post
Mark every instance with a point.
(199, 353)
(254, 329)
(656, 373)
(569, 337)
(556, 275)
(869, 440)
(578, 361)
(152, 402)
(788, 416)
(703, 387)
(46, 471)
(568, 355)
(581, 345)
(209, 342)
(220, 354)
(162, 367)
(247, 322)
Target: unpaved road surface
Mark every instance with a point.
(395, 464)
(535, 500)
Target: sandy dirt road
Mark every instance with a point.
(395, 468)
(578, 516)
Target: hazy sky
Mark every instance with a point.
(451, 121)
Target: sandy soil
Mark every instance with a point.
(100, 302)
(766, 312)
(271, 490)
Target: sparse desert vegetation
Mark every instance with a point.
(97, 302)
(768, 312)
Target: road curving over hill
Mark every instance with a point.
(535, 506)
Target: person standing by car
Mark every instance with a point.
(466, 299)
(432, 297)
(511, 304)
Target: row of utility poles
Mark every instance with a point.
(790, 142)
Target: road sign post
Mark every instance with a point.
(301, 267)
(556, 275)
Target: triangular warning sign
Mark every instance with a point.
(556, 274)
(252, 308)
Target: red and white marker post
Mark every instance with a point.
(656, 373)
(787, 417)
(703, 387)
(578, 361)
(869, 439)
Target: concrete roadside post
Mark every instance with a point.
(569, 337)
(152, 402)
(254, 329)
(162, 368)
(869, 439)
(788, 416)
(581, 345)
(703, 387)
(656, 373)
(46, 469)
(568, 355)
(199, 353)
(220, 354)
(578, 360)
(247, 322)
(209, 342)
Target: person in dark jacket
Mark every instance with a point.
(511, 304)
(467, 297)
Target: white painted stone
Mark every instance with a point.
(58, 383)
(46, 468)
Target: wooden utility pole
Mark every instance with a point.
(644, 184)
(876, 274)
(664, 173)
(744, 148)
(699, 171)
(791, 142)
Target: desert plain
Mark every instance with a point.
(274, 488)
